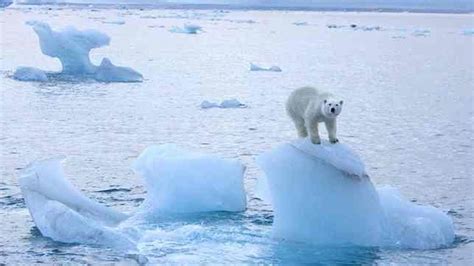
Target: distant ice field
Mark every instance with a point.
(407, 82)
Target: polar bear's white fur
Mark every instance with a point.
(308, 107)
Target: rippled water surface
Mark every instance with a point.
(408, 90)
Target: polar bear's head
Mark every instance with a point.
(331, 108)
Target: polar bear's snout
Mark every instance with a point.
(331, 108)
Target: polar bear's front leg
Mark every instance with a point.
(312, 127)
(331, 127)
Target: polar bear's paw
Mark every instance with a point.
(316, 140)
(334, 140)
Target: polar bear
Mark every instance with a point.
(308, 107)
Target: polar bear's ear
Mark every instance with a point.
(341, 102)
(325, 101)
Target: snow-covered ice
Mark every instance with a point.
(63, 213)
(30, 74)
(182, 181)
(228, 103)
(187, 28)
(254, 67)
(72, 47)
(316, 199)
(108, 72)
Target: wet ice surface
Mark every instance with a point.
(408, 113)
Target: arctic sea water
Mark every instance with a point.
(406, 113)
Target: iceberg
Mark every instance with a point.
(180, 181)
(108, 72)
(63, 213)
(321, 194)
(187, 29)
(254, 67)
(30, 74)
(72, 47)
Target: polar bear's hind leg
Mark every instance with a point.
(300, 128)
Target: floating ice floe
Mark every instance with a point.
(468, 32)
(62, 213)
(187, 28)
(421, 33)
(177, 182)
(322, 195)
(334, 26)
(5, 3)
(300, 23)
(72, 48)
(229, 103)
(108, 72)
(368, 28)
(182, 181)
(398, 37)
(115, 22)
(254, 67)
(30, 74)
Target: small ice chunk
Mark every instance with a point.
(5, 3)
(182, 181)
(300, 23)
(108, 72)
(187, 28)
(232, 103)
(30, 74)
(370, 28)
(334, 26)
(334, 208)
(115, 22)
(421, 33)
(207, 104)
(63, 213)
(229, 103)
(70, 46)
(468, 32)
(254, 67)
